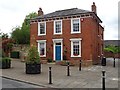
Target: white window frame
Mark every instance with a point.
(72, 32)
(73, 40)
(39, 29)
(55, 26)
(41, 41)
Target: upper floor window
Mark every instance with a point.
(41, 28)
(58, 27)
(75, 25)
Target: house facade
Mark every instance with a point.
(70, 34)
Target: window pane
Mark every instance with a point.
(76, 48)
(42, 48)
(42, 28)
(58, 27)
(76, 25)
(58, 43)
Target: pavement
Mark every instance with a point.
(88, 77)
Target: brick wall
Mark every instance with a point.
(111, 55)
(89, 35)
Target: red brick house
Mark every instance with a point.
(71, 34)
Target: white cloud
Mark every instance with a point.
(13, 12)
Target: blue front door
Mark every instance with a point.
(58, 52)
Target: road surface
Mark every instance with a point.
(8, 83)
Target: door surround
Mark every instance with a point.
(54, 44)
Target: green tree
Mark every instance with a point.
(22, 34)
(16, 34)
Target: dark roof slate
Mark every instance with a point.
(66, 12)
(112, 42)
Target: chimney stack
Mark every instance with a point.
(93, 7)
(40, 12)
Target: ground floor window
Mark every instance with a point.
(42, 48)
(75, 47)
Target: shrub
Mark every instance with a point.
(49, 60)
(33, 56)
(7, 59)
(108, 50)
(65, 63)
(112, 48)
(5, 63)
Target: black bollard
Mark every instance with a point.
(80, 66)
(103, 80)
(68, 69)
(114, 63)
(103, 61)
(50, 75)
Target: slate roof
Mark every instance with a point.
(66, 12)
(112, 42)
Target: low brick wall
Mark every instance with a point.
(110, 54)
(84, 63)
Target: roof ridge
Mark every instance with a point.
(66, 9)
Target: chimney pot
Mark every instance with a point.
(40, 8)
(40, 12)
(93, 7)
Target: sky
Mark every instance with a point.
(13, 12)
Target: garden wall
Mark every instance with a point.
(22, 49)
(110, 54)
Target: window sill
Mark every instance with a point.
(41, 34)
(57, 33)
(75, 56)
(42, 55)
(75, 32)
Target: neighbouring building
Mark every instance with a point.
(111, 42)
(71, 34)
(6, 44)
